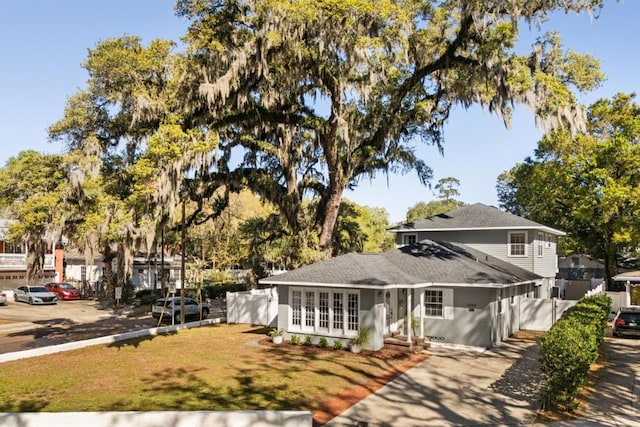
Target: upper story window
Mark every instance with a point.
(541, 244)
(409, 239)
(13, 248)
(517, 243)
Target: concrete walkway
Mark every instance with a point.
(615, 401)
(457, 388)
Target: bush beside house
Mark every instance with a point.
(569, 348)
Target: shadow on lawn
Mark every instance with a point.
(63, 330)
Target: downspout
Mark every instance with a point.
(409, 314)
(422, 314)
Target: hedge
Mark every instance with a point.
(569, 348)
(149, 296)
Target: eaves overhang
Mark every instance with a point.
(395, 285)
(505, 228)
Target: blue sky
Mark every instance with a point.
(44, 43)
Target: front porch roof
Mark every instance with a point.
(427, 263)
(629, 276)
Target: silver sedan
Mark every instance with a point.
(34, 295)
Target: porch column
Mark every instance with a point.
(409, 314)
(422, 314)
(628, 294)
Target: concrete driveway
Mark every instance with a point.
(457, 388)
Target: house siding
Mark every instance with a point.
(495, 243)
(471, 322)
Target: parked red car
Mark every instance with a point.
(64, 291)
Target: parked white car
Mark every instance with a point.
(34, 295)
(3, 298)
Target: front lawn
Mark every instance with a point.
(218, 367)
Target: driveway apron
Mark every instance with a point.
(496, 387)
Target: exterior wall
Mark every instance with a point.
(372, 317)
(495, 243)
(371, 314)
(471, 323)
(580, 267)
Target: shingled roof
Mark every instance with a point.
(474, 217)
(420, 264)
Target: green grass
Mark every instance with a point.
(221, 367)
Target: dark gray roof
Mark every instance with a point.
(427, 262)
(473, 217)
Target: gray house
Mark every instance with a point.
(511, 238)
(433, 287)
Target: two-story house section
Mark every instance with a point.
(516, 240)
(13, 261)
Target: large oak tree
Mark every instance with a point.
(313, 96)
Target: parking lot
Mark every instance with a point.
(24, 326)
(82, 311)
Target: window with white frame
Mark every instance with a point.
(296, 308)
(433, 303)
(323, 310)
(517, 243)
(409, 239)
(309, 309)
(338, 310)
(332, 312)
(541, 244)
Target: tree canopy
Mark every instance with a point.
(297, 101)
(33, 185)
(318, 95)
(586, 184)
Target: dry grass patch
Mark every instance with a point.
(220, 367)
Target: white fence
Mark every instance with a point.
(159, 418)
(254, 307)
(540, 314)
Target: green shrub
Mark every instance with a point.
(148, 296)
(295, 340)
(565, 357)
(220, 290)
(308, 340)
(323, 342)
(337, 345)
(569, 348)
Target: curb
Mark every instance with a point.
(109, 339)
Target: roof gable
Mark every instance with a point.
(473, 217)
(424, 263)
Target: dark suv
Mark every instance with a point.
(627, 322)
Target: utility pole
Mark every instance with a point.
(182, 266)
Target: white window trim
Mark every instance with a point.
(315, 329)
(405, 235)
(526, 246)
(541, 244)
(447, 304)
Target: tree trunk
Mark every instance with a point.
(36, 248)
(331, 209)
(108, 257)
